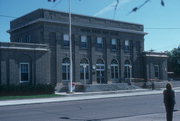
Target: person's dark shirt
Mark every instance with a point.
(169, 97)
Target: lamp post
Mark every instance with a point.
(130, 67)
(84, 66)
(70, 53)
(70, 48)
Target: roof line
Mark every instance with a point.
(76, 24)
(91, 16)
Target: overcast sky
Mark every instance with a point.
(161, 23)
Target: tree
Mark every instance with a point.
(174, 62)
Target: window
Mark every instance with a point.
(84, 70)
(66, 69)
(24, 72)
(127, 45)
(99, 43)
(66, 42)
(84, 42)
(114, 70)
(20, 39)
(114, 44)
(156, 71)
(127, 69)
(100, 74)
(138, 46)
(28, 39)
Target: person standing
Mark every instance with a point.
(169, 101)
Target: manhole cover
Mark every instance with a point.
(94, 120)
(64, 118)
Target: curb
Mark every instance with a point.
(82, 96)
(100, 92)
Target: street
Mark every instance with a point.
(87, 110)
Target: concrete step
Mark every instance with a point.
(97, 87)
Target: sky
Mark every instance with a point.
(161, 23)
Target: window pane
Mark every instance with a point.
(114, 47)
(156, 71)
(87, 72)
(64, 76)
(84, 44)
(66, 43)
(116, 72)
(65, 69)
(99, 40)
(100, 61)
(24, 76)
(87, 75)
(81, 75)
(66, 37)
(68, 72)
(112, 72)
(113, 41)
(126, 42)
(66, 61)
(100, 46)
(24, 72)
(83, 38)
(84, 61)
(81, 69)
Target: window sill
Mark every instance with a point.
(83, 48)
(24, 81)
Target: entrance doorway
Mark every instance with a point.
(100, 71)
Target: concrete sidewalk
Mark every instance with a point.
(148, 117)
(84, 96)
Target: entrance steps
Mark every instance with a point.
(98, 87)
(109, 87)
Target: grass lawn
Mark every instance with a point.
(28, 97)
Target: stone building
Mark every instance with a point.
(104, 51)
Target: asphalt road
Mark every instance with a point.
(87, 110)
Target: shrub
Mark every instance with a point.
(25, 89)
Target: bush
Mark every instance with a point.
(25, 89)
(80, 88)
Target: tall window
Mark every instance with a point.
(20, 39)
(114, 44)
(24, 72)
(156, 71)
(114, 70)
(99, 43)
(66, 42)
(84, 42)
(100, 68)
(65, 69)
(28, 39)
(138, 46)
(127, 69)
(126, 45)
(84, 70)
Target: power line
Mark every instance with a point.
(6, 16)
(57, 3)
(163, 28)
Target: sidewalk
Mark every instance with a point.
(148, 117)
(84, 96)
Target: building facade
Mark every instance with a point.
(104, 51)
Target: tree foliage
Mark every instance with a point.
(174, 61)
